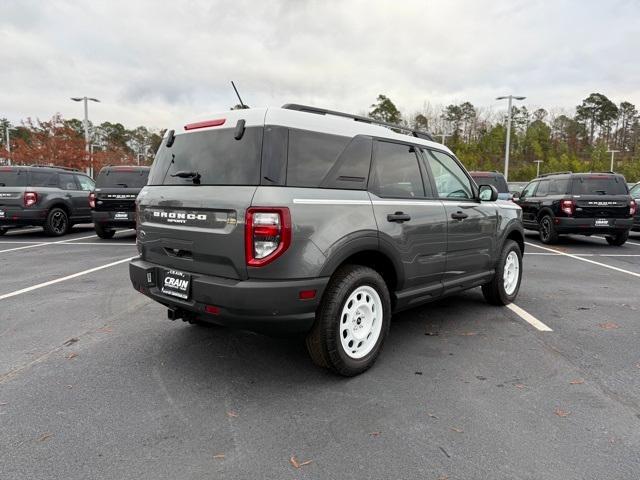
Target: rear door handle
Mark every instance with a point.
(459, 215)
(398, 217)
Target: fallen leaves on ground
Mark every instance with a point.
(520, 385)
(432, 334)
(418, 373)
(468, 334)
(68, 386)
(294, 461)
(375, 434)
(45, 436)
(105, 330)
(638, 365)
(443, 477)
(71, 341)
(71, 355)
(577, 381)
(232, 413)
(219, 456)
(608, 326)
(433, 416)
(457, 430)
(561, 413)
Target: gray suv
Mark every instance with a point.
(298, 219)
(52, 197)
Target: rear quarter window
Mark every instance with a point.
(44, 179)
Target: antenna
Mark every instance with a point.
(241, 102)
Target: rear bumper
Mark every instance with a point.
(636, 223)
(22, 217)
(588, 225)
(267, 306)
(110, 219)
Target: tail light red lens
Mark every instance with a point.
(30, 199)
(633, 207)
(568, 206)
(92, 200)
(267, 234)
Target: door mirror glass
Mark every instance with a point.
(488, 193)
(516, 195)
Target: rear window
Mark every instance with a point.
(599, 185)
(215, 155)
(115, 178)
(497, 181)
(10, 177)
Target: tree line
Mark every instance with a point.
(578, 141)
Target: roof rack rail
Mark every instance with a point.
(607, 171)
(357, 118)
(70, 169)
(554, 173)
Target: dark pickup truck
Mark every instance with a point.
(113, 203)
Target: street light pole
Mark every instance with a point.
(538, 167)
(8, 146)
(444, 136)
(508, 142)
(85, 121)
(612, 152)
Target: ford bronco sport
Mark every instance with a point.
(113, 201)
(307, 220)
(52, 197)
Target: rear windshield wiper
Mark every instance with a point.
(123, 185)
(186, 174)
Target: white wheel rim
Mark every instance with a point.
(511, 272)
(361, 322)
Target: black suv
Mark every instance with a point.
(113, 203)
(579, 203)
(52, 197)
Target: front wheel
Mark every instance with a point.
(352, 321)
(503, 288)
(618, 239)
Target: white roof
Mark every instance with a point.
(306, 121)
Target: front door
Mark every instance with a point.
(471, 225)
(412, 224)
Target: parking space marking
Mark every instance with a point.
(46, 243)
(582, 259)
(98, 244)
(587, 254)
(62, 279)
(527, 317)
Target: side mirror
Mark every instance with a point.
(488, 193)
(516, 195)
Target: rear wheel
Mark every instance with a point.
(504, 287)
(548, 233)
(617, 239)
(3, 231)
(57, 222)
(352, 321)
(103, 232)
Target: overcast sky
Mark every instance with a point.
(156, 63)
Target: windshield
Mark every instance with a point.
(497, 181)
(116, 178)
(10, 177)
(212, 157)
(599, 185)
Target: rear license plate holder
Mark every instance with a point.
(176, 284)
(601, 222)
(2, 214)
(121, 216)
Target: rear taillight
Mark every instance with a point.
(267, 234)
(568, 206)
(92, 200)
(30, 199)
(633, 206)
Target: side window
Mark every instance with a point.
(43, 179)
(311, 156)
(351, 170)
(558, 187)
(67, 181)
(85, 182)
(450, 179)
(543, 189)
(396, 172)
(635, 191)
(528, 190)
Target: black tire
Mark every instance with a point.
(323, 341)
(618, 239)
(57, 222)
(548, 232)
(494, 292)
(3, 231)
(104, 233)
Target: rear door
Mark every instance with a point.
(471, 225)
(411, 222)
(192, 212)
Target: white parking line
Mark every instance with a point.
(46, 243)
(62, 279)
(99, 244)
(582, 259)
(587, 254)
(527, 317)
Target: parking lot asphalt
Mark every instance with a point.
(95, 382)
